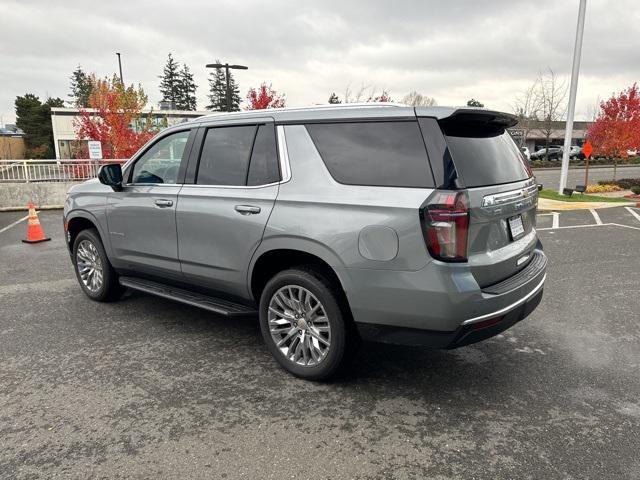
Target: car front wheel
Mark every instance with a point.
(95, 274)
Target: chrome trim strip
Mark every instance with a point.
(243, 187)
(509, 307)
(283, 153)
(511, 195)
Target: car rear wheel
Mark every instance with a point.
(95, 274)
(304, 323)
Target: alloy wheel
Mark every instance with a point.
(299, 325)
(89, 266)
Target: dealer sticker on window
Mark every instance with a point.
(516, 227)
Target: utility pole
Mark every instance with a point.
(120, 67)
(227, 67)
(577, 51)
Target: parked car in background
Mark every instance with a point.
(332, 224)
(525, 152)
(554, 152)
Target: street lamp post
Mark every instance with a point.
(577, 51)
(120, 67)
(227, 67)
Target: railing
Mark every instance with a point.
(26, 171)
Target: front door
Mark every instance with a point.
(221, 216)
(142, 217)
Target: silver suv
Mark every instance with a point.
(334, 224)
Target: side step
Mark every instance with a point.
(216, 305)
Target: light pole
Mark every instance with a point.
(227, 67)
(577, 51)
(120, 67)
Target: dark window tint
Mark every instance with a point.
(373, 153)
(225, 156)
(486, 157)
(264, 158)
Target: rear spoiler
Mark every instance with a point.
(477, 120)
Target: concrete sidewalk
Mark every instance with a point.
(545, 204)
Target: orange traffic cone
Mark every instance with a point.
(35, 233)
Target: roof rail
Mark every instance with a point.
(312, 107)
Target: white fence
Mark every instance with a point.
(28, 171)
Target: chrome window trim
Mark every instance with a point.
(152, 184)
(243, 187)
(283, 154)
(509, 307)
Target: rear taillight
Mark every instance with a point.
(446, 222)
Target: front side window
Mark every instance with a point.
(225, 156)
(161, 163)
(390, 154)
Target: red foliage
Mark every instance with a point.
(117, 111)
(617, 129)
(383, 97)
(264, 97)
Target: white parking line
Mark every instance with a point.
(595, 216)
(625, 226)
(635, 214)
(593, 225)
(556, 220)
(13, 224)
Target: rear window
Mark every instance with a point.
(485, 156)
(390, 154)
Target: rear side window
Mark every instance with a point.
(390, 154)
(264, 158)
(225, 156)
(485, 156)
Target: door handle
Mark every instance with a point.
(161, 202)
(247, 209)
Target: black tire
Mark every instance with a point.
(110, 289)
(337, 313)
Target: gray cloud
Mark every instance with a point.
(449, 50)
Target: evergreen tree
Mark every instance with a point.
(170, 82)
(235, 93)
(474, 103)
(187, 99)
(81, 87)
(334, 99)
(34, 117)
(218, 91)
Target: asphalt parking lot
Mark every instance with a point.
(146, 388)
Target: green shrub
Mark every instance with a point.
(636, 189)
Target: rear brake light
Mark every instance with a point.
(446, 221)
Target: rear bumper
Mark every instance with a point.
(466, 334)
(441, 305)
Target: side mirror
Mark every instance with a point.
(111, 174)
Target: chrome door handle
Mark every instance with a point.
(161, 202)
(247, 209)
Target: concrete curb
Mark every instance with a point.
(578, 167)
(26, 209)
(546, 205)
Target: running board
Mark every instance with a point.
(213, 304)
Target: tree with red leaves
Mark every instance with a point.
(264, 97)
(617, 129)
(115, 119)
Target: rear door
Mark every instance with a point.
(502, 194)
(222, 215)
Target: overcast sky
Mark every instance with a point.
(452, 51)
